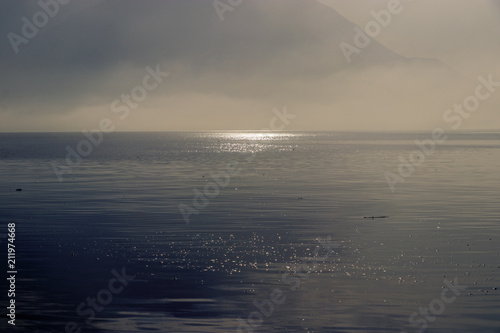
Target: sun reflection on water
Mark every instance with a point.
(249, 141)
(251, 135)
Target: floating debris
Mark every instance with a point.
(19, 189)
(375, 217)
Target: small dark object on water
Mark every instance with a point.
(375, 217)
(19, 189)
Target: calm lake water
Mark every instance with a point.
(240, 264)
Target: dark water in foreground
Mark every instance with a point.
(118, 209)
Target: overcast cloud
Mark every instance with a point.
(230, 74)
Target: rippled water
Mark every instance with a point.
(119, 209)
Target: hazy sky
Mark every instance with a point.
(74, 69)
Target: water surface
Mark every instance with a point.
(119, 208)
